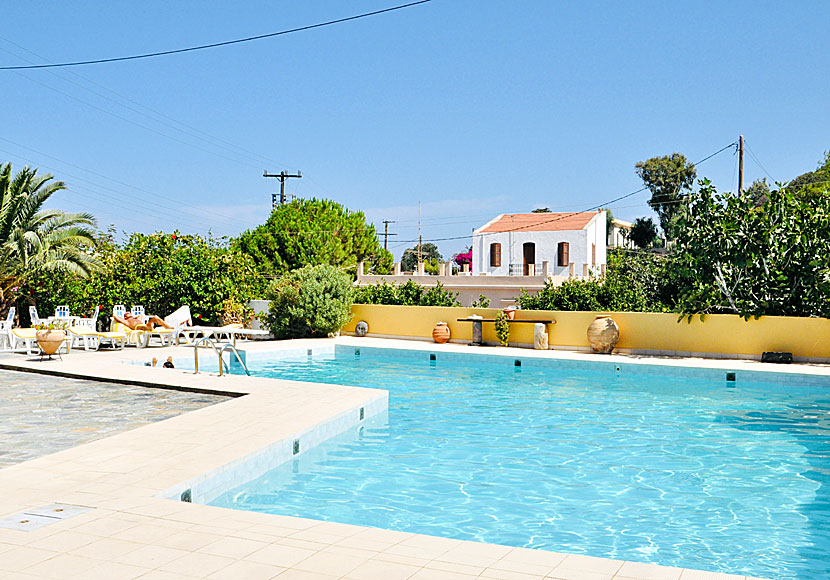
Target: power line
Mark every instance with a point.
(215, 44)
(228, 220)
(758, 161)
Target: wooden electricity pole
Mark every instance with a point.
(740, 164)
(386, 233)
(282, 176)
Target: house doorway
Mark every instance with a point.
(529, 255)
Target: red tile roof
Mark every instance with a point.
(538, 222)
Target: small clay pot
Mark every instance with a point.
(510, 312)
(603, 334)
(441, 333)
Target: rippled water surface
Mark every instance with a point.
(729, 477)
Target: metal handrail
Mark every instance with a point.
(239, 358)
(219, 352)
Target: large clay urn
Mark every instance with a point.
(603, 334)
(441, 333)
(50, 341)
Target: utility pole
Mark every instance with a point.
(420, 257)
(386, 233)
(282, 176)
(740, 164)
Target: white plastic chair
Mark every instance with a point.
(91, 322)
(6, 328)
(138, 312)
(62, 311)
(33, 315)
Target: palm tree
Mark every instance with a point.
(34, 240)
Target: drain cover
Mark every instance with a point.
(38, 517)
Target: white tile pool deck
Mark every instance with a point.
(132, 533)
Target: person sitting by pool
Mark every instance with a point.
(132, 322)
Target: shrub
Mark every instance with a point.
(409, 294)
(502, 329)
(311, 302)
(159, 271)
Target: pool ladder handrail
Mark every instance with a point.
(219, 352)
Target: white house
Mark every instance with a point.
(519, 244)
(618, 237)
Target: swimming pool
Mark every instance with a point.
(679, 467)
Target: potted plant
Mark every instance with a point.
(50, 336)
(502, 329)
(509, 311)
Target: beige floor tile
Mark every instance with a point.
(374, 570)
(521, 567)
(432, 574)
(457, 568)
(231, 547)
(65, 541)
(111, 571)
(248, 571)
(395, 558)
(591, 564)
(189, 540)
(536, 557)
(642, 571)
(492, 574)
(63, 566)
(294, 574)
(284, 556)
(106, 549)
(197, 564)
(23, 557)
(162, 575)
(329, 563)
(569, 574)
(152, 556)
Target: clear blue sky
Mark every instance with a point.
(475, 108)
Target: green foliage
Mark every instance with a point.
(159, 271)
(313, 301)
(541, 210)
(643, 232)
(36, 241)
(502, 329)
(634, 282)
(759, 190)
(734, 257)
(482, 302)
(408, 294)
(307, 232)
(669, 178)
(429, 254)
(813, 182)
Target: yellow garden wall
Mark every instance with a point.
(806, 338)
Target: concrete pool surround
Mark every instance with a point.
(131, 529)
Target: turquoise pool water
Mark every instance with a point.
(679, 469)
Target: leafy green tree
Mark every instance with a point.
(313, 301)
(813, 182)
(429, 254)
(159, 271)
(541, 210)
(309, 232)
(634, 282)
(643, 232)
(759, 190)
(669, 178)
(36, 241)
(734, 257)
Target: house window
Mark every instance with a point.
(563, 253)
(593, 254)
(495, 255)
